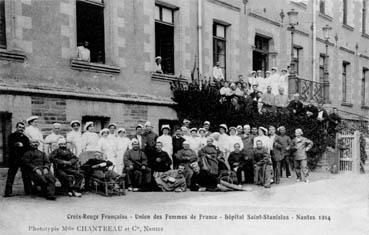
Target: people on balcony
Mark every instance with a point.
(158, 68)
(311, 110)
(268, 99)
(283, 80)
(274, 80)
(281, 99)
(83, 53)
(296, 107)
(218, 72)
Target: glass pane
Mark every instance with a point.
(220, 31)
(321, 60)
(157, 13)
(167, 15)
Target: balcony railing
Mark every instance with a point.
(309, 90)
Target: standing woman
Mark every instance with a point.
(167, 142)
(108, 147)
(89, 138)
(123, 143)
(33, 132)
(223, 141)
(74, 137)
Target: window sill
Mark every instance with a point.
(166, 78)
(325, 16)
(16, 56)
(93, 67)
(348, 27)
(365, 35)
(364, 107)
(346, 104)
(300, 4)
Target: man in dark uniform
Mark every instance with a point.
(202, 180)
(296, 106)
(177, 141)
(66, 168)
(18, 144)
(149, 139)
(38, 166)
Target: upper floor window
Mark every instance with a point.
(219, 46)
(90, 30)
(322, 60)
(345, 70)
(297, 50)
(164, 37)
(364, 17)
(344, 21)
(2, 24)
(364, 87)
(260, 54)
(322, 6)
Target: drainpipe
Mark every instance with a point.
(199, 31)
(314, 41)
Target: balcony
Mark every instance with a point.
(94, 67)
(308, 90)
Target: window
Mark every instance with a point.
(322, 59)
(2, 24)
(322, 6)
(364, 17)
(364, 87)
(345, 69)
(219, 46)
(261, 53)
(5, 130)
(90, 28)
(296, 58)
(99, 121)
(344, 21)
(164, 37)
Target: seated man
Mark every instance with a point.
(210, 157)
(172, 180)
(159, 163)
(98, 168)
(66, 168)
(38, 166)
(135, 162)
(186, 156)
(202, 180)
(262, 165)
(236, 162)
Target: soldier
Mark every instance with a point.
(186, 156)
(66, 169)
(74, 137)
(301, 145)
(18, 144)
(262, 165)
(38, 166)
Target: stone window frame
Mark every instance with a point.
(364, 84)
(222, 39)
(345, 71)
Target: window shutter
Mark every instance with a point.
(2, 24)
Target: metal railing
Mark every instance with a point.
(308, 90)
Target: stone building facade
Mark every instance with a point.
(40, 75)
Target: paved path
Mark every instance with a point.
(341, 198)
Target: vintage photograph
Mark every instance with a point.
(184, 117)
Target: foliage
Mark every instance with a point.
(203, 104)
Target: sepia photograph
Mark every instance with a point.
(184, 117)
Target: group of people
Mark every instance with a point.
(192, 158)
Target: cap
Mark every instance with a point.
(207, 123)
(62, 140)
(104, 130)
(74, 122)
(56, 125)
(246, 126)
(202, 129)
(148, 124)
(267, 71)
(186, 121)
(284, 70)
(88, 124)
(274, 68)
(30, 119)
(121, 130)
(139, 126)
(239, 127)
(193, 129)
(264, 130)
(135, 141)
(112, 124)
(233, 128)
(224, 126)
(158, 57)
(165, 127)
(186, 142)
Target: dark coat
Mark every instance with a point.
(160, 162)
(236, 159)
(203, 179)
(35, 159)
(297, 106)
(312, 109)
(60, 157)
(16, 151)
(135, 158)
(177, 143)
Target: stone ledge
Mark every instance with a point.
(348, 27)
(347, 104)
(325, 16)
(299, 4)
(258, 16)
(16, 56)
(365, 35)
(364, 106)
(166, 78)
(93, 67)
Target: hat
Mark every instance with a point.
(207, 123)
(224, 126)
(267, 71)
(139, 126)
(193, 129)
(112, 124)
(281, 127)
(121, 130)
(284, 70)
(239, 127)
(264, 130)
(246, 126)
(158, 57)
(56, 125)
(233, 128)
(104, 130)
(183, 128)
(210, 138)
(74, 122)
(274, 68)
(202, 129)
(186, 142)
(30, 119)
(165, 127)
(186, 121)
(62, 140)
(253, 71)
(135, 141)
(88, 124)
(148, 124)
(299, 130)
